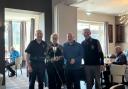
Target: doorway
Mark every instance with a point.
(20, 27)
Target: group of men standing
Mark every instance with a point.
(63, 62)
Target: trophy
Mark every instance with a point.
(54, 51)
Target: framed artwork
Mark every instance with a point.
(120, 33)
(110, 33)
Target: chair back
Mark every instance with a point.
(117, 69)
(1, 79)
(117, 72)
(18, 62)
(118, 86)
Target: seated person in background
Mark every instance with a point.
(120, 60)
(120, 56)
(14, 54)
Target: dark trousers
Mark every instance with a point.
(38, 72)
(46, 79)
(8, 66)
(55, 72)
(106, 75)
(72, 78)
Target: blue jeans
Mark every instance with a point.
(46, 79)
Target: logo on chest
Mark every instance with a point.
(92, 47)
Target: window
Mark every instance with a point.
(18, 28)
(97, 31)
(16, 35)
(6, 37)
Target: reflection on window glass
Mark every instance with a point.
(97, 32)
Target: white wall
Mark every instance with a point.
(68, 16)
(65, 21)
(81, 15)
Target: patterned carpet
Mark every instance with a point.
(21, 81)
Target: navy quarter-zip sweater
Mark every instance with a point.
(92, 52)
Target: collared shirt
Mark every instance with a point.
(37, 51)
(93, 54)
(55, 50)
(58, 51)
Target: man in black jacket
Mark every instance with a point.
(35, 56)
(93, 58)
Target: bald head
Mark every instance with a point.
(86, 33)
(70, 37)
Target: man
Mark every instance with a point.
(72, 51)
(36, 53)
(55, 63)
(93, 59)
(120, 60)
(120, 56)
(14, 54)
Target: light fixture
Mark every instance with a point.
(88, 13)
(124, 19)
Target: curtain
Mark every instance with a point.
(10, 34)
(32, 29)
(106, 38)
(22, 38)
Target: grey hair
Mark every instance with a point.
(53, 34)
(86, 30)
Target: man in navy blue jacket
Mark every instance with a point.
(35, 56)
(93, 60)
(72, 54)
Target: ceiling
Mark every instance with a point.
(113, 7)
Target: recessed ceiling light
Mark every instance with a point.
(88, 13)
